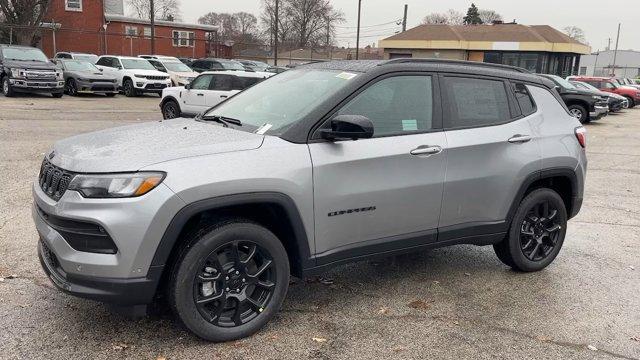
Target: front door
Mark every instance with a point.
(385, 192)
(194, 99)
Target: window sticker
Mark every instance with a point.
(409, 125)
(346, 75)
(263, 129)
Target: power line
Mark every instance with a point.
(397, 21)
(367, 31)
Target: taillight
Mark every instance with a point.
(581, 135)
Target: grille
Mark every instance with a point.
(53, 180)
(152, 77)
(40, 75)
(49, 256)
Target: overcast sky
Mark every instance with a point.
(598, 21)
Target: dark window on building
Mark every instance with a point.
(493, 57)
(476, 102)
(524, 99)
(583, 70)
(397, 105)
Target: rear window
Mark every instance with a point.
(476, 102)
(527, 106)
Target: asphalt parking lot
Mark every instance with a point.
(452, 303)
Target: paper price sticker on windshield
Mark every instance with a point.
(263, 129)
(346, 75)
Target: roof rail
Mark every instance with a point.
(457, 62)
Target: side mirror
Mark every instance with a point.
(101, 69)
(187, 86)
(348, 127)
(558, 89)
(119, 67)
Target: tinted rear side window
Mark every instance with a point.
(527, 106)
(476, 102)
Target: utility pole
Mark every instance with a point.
(358, 35)
(152, 14)
(404, 19)
(275, 37)
(615, 53)
(328, 38)
(608, 44)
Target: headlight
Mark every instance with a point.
(17, 73)
(83, 79)
(139, 76)
(595, 97)
(116, 185)
(59, 75)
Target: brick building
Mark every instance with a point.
(100, 27)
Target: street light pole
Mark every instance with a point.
(275, 38)
(153, 26)
(358, 35)
(615, 53)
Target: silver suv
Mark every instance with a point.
(318, 166)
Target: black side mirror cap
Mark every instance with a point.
(187, 86)
(348, 127)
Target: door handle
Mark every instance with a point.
(426, 150)
(200, 94)
(223, 96)
(517, 139)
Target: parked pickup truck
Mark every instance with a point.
(611, 85)
(27, 69)
(583, 104)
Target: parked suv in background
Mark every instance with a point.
(321, 165)
(210, 64)
(135, 75)
(27, 69)
(207, 90)
(611, 85)
(585, 105)
(179, 72)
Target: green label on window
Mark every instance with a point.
(409, 125)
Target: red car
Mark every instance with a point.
(611, 85)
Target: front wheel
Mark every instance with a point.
(631, 102)
(536, 233)
(579, 112)
(7, 89)
(129, 89)
(72, 87)
(229, 280)
(170, 110)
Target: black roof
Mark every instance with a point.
(436, 65)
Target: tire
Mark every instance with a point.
(259, 271)
(57, 95)
(7, 89)
(129, 89)
(536, 235)
(579, 112)
(71, 87)
(170, 110)
(632, 103)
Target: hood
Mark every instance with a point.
(133, 147)
(185, 73)
(148, 72)
(29, 65)
(88, 74)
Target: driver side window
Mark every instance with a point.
(396, 105)
(202, 82)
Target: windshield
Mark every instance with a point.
(231, 65)
(86, 57)
(280, 101)
(140, 64)
(176, 66)
(562, 82)
(24, 54)
(79, 65)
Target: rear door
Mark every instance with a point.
(492, 149)
(384, 193)
(194, 99)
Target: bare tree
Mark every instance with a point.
(575, 33)
(240, 27)
(28, 13)
(435, 18)
(247, 26)
(302, 23)
(489, 16)
(451, 17)
(163, 9)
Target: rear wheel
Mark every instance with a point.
(632, 103)
(170, 110)
(579, 112)
(229, 281)
(7, 89)
(537, 232)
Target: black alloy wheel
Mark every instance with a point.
(536, 233)
(170, 110)
(7, 89)
(72, 87)
(539, 231)
(234, 284)
(129, 89)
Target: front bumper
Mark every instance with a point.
(97, 87)
(599, 112)
(146, 85)
(27, 85)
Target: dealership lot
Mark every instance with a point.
(448, 303)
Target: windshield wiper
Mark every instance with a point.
(221, 119)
